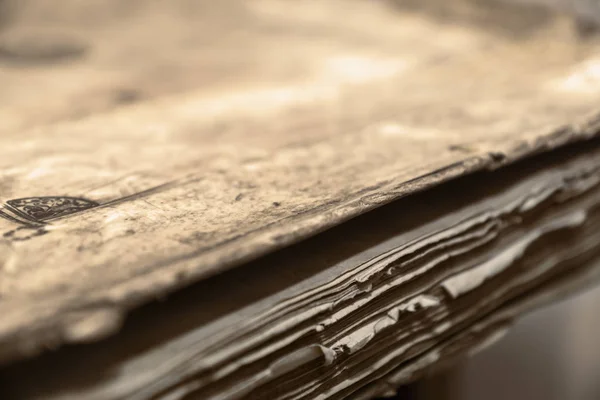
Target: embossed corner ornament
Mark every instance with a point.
(38, 210)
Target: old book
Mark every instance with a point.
(263, 200)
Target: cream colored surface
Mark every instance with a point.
(214, 132)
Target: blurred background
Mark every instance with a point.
(552, 354)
